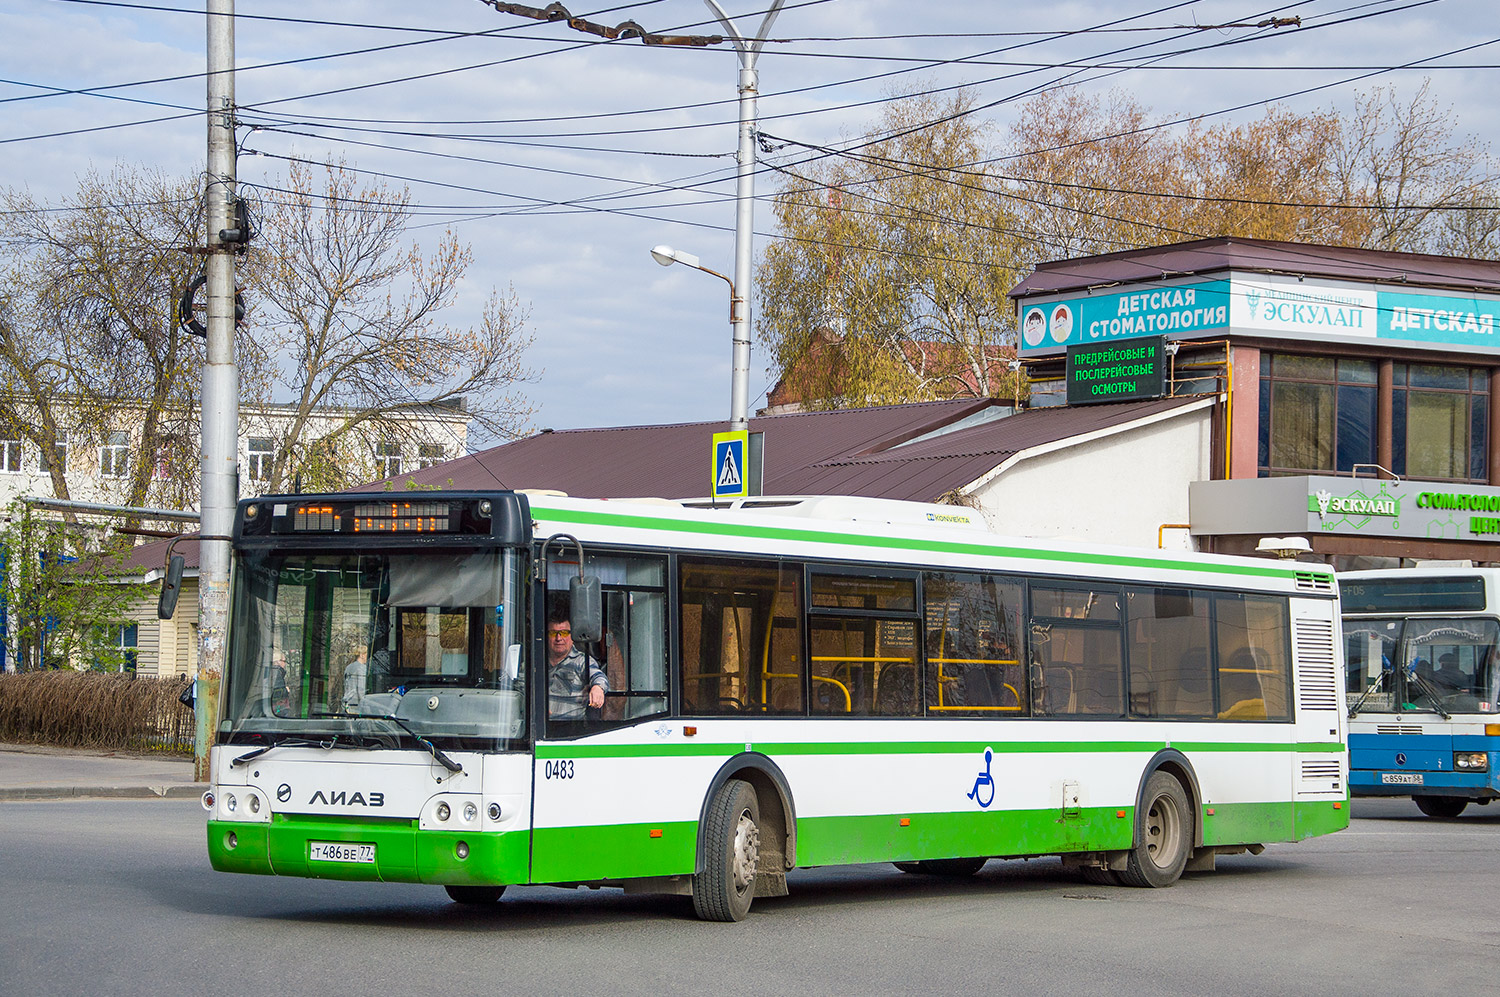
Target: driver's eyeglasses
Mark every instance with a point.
(559, 633)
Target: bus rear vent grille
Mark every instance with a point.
(1396, 729)
(1320, 770)
(1317, 679)
(1312, 581)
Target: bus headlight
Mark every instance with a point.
(1471, 761)
(443, 811)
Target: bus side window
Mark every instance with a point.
(1077, 640)
(862, 640)
(1254, 643)
(1169, 637)
(632, 645)
(741, 636)
(973, 646)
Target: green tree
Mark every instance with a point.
(64, 594)
(889, 281)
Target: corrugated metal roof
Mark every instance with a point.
(152, 556)
(883, 452)
(1182, 259)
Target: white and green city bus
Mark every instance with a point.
(792, 683)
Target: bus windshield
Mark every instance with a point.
(376, 647)
(1422, 665)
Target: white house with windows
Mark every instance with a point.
(413, 440)
(99, 472)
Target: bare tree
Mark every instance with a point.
(349, 313)
(89, 342)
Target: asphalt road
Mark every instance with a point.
(116, 897)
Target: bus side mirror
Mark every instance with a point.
(171, 588)
(586, 614)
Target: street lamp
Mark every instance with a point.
(739, 393)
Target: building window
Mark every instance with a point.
(429, 454)
(1439, 422)
(1317, 414)
(10, 454)
(114, 455)
(45, 464)
(260, 458)
(387, 460)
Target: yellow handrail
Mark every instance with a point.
(848, 699)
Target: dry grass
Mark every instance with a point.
(92, 710)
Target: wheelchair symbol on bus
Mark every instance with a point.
(983, 792)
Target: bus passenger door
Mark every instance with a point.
(595, 814)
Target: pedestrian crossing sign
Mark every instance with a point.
(731, 475)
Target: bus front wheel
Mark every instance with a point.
(1440, 806)
(482, 895)
(1163, 834)
(722, 891)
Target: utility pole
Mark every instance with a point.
(221, 391)
(744, 196)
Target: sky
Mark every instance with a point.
(562, 158)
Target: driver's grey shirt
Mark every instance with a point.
(565, 685)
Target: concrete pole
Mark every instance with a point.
(744, 218)
(220, 415)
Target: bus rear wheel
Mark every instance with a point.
(731, 851)
(482, 895)
(1440, 806)
(942, 867)
(1163, 835)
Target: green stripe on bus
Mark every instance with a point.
(630, 850)
(899, 543)
(725, 750)
(614, 851)
(669, 848)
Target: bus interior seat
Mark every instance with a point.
(1057, 689)
(1240, 693)
(896, 695)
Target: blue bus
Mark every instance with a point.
(1423, 685)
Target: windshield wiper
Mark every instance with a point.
(1354, 710)
(432, 749)
(291, 742)
(438, 753)
(1432, 694)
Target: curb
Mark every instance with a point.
(103, 792)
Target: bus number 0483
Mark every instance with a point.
(559, 769)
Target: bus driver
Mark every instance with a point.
(566, 669)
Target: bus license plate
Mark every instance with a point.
(339, 851)
(1401, 778)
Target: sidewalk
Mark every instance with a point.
(37, 772)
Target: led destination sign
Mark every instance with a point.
(370, 517)
(1116, 372)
